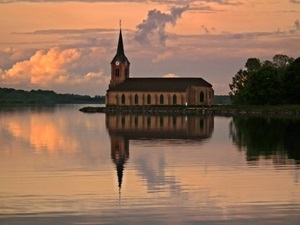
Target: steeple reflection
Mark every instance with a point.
(123, 128)
(119, 155)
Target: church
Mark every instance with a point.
(126, 91)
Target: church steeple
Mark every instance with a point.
(119, 64)
(120, 51)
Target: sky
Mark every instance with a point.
(67, 45)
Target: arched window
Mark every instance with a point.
(148, 121)
(117, 72)
(201, 124)
(123, 121)
(174, 121)
(136, 99)
(161, 121)
(123, 99)
(161, 99)
(149, 99)
(174, 99)
(201, 96)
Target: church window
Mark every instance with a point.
(123, 121)
(174, 121)
(136, 121)
(174, 99)
(201, 96)
(136, 99)
(161, 121)
(149, 99)
(201, 124)
(123, 99)
(117, 72)
(148, 121)
(161, 99)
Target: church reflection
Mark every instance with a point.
(123, 128)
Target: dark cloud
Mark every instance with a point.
(153, 28)
(295, 1)
(207, 30)
(297, 25)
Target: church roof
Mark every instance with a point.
(120, 50)
(159, 84)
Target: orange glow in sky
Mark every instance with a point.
(210, 39)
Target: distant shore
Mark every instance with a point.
(196, 110)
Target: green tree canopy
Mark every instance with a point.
(268, 82)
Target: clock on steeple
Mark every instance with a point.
(119, 64)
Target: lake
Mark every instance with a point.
(62, 166)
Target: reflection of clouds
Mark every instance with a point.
(43, 132)
(155, 176)
(46, 134)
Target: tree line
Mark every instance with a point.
(267, 82)
(10, 95)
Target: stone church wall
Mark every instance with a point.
(194, 96)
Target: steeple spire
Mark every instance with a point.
(120, 51)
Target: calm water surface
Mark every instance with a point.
(61, 166)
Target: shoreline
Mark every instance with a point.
(185, 110)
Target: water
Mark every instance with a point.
(61, 166)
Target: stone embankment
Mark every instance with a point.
(188, 111)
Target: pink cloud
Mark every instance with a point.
(52, 68)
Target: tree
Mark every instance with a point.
(237, 86)
(281, 61)
(264, 87)
(252, 65)
(291, 83)
(239, 81)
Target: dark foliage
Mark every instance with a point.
(10, 95)
(275, 137)
(267, 83)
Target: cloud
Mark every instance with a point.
(295, 1)
(296, 27)
(43, 67)
(207, 30)
(52, 68)
(152, 30)
(222, 2)
(297, 24)
(161, 57)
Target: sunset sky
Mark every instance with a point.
(67, 46)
